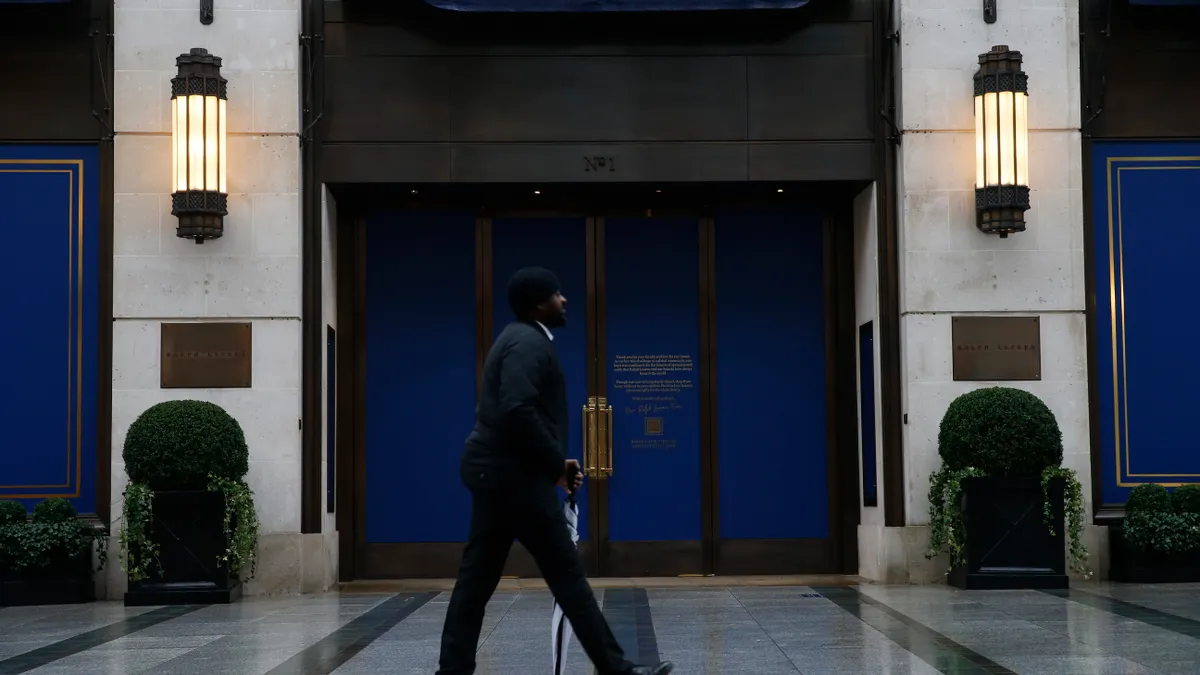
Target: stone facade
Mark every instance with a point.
(950, 268)
(251, 274)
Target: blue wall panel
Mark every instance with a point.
(770, 330)
(1147, 234)
(420, 363)
(51, 217)
(330, 420)
(866, 413)
(653, 353)
(560, 245)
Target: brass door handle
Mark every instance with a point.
(597, 438)
(591, 468)
(604, 413)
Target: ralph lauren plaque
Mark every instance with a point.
(205, 355)
(997, 347)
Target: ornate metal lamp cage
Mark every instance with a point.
(1001, 142)
(199, 197)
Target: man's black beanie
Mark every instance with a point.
(530, 286)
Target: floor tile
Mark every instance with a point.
(1096, 629)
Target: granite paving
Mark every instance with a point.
(1090, 629)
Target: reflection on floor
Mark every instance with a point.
(1093, 629)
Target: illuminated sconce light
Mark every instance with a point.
(1001, 142)
(199, 196)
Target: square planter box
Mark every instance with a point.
(1009, 545)
(188, 528)
(1135, 566)
(66, 582)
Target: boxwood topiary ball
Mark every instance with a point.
(175, 445)
(1186, 499)
(54, 510)
(1149, 498)
(1001, 430)
(12, 512)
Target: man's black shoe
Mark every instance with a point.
(661, 669)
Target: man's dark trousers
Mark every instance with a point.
(532, 515)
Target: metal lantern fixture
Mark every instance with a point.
(199, 196)
(1001, 142)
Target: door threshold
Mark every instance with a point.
(534, 583)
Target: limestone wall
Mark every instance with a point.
(251, 274)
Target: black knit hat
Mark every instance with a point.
(530, 286)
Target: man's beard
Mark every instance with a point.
(557, 320)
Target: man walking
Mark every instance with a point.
(513, 459)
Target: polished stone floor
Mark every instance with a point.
(1093, 629)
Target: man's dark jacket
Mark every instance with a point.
(521, 420)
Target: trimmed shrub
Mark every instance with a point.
(1149, 498)
(1002, 431)
(54, 510)
(1186, 499)
(1161, 531)
(175, 445)
(11, 513)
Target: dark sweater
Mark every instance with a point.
(521, 420)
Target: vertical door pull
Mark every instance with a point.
(605, 444)
(591, 467)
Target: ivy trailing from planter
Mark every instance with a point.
(185, 446)
(139, 558)
(138, 550)
(995, 432)
(1077, 551)
(947, 526)
(241, 526)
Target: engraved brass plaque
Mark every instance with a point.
(997, 347)
(205, 355)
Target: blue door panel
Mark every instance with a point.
(770, 328)
(420, 364)
(558, 244)
(653, 357)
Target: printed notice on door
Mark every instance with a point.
(654, 399)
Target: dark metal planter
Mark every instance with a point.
(66, 582)
(1137, 566)
(1009, 545)
(188, 528)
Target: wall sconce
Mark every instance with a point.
(199, 197)
(1001, 142)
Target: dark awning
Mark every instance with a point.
(571, 6)
(1167, 3)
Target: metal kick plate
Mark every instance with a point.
(997, 347)
(206, 355)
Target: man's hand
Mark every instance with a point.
(572, 466)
